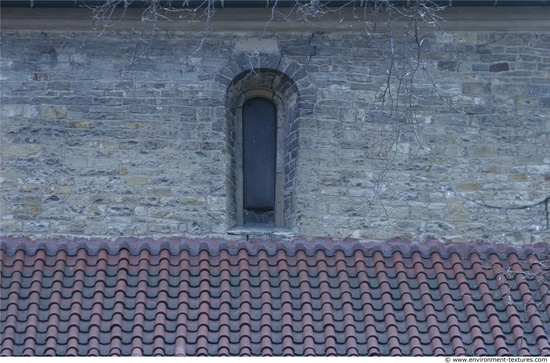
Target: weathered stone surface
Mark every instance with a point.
(54, 112)
(499, 67)
(19, 150)
(94, 144)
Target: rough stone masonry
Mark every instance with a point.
(102, 137)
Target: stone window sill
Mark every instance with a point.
(261, 231)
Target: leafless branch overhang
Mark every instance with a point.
(259, 3)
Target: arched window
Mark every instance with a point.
(262, 145)
(259, 153)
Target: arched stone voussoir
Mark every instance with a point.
(265, 70)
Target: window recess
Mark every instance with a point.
(259, 145)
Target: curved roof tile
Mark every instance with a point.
(309, 297)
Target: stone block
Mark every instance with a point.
(11, 227)
(299, 50)
(54, 112)
(481, 150)
(499, 67)
(456, 211)
(476, 88)
(160, 213)
(448, 65)
(136, 180)
(438, 227)
(158, 192)
(20, 150)
(468, 186)
(80, 125)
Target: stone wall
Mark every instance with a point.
(109, 136)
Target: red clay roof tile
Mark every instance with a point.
(184, 297)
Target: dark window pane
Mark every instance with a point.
(259, 153)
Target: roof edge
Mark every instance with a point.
(256, 19)
(51, 245)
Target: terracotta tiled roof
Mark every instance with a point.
(320, 297)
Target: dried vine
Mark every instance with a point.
(395, 101)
